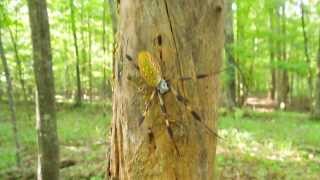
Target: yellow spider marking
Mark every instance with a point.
(149, 68)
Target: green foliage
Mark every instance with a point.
(89, 17)
(254, 36)
(81, 131)
(277, 145)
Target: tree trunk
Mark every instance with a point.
(104, 49)
(113, 13)
(83, 47)
(90, 59)
(106, 87)
(272, 55)
(48, 145)
(285, 76)
(316, 111)
(19, 65)
(231, 80)
(185, 38)
(283, 86)
(306, 48)
(76, 48)
(11, 102)
(282, 74)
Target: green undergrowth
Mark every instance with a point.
(274, 145)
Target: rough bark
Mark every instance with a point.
(11, 102)
(187, 39)
(316, 110)
(76, 49)
(48, 145)
(231, 72)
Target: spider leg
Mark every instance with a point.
(195, 115)
(201, 76)
(168, 125)
(148, 104)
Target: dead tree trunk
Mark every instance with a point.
(185, 38)
(48, 145)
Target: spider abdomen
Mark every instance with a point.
(149, 68)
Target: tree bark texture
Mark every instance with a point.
(186, 37)
(48, 146)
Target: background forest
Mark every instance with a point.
(270, 88)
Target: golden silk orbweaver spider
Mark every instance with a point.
(150, 71)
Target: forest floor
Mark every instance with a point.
(255, 145)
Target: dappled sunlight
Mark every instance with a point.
(242, 142)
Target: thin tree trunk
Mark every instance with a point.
(272, 56)
(283, 73)
(19, 65)
(76, 48)
(11, 102)
(67, 81)
(285, 76)
(90, 59)
(113, 13)
(19, 68)
(104, 80)
(83, 46)
(231, 81)
(306, 48)
(316, 110)
(176, 33)
(48, 145)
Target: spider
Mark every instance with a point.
(150, 72)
